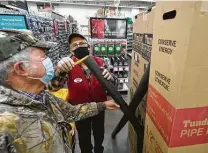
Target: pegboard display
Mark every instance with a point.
(48, 26)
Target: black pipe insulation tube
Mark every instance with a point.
(94, 68)
(136, 100)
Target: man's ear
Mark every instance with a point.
(20, 69)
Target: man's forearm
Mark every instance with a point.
(81, 111)
(101, 106)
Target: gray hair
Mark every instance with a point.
(23, 55)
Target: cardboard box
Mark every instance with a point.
(142, 44)
(177, 108)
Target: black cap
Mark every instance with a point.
(12, 42)
(73, 35)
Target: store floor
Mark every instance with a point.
(120, 144)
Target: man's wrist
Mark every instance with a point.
(101, 106)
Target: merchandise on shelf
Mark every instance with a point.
(61, 30)
(108, 28)
(97, 48)
(53, 30)
(41, 27)
(108, 40)
(110, 48)
(103, 47)
(129, 38)
(48, 26)
(118, 48)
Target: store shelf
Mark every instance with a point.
(123, 80)
(129, 34)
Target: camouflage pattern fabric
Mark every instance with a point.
(14, 42)
(30, 126)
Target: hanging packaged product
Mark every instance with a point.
(107, 62)
(125, 73)
(120, 86)
(116, 73)
(55, 25)
(120, 75)
(123, 46)
(111, 48)
(96, 48)
(94, 28)
(118, 48)
(103, 47)
(105, 52)
(65, 26)
(114, 61)
(120, 61)
(100, 28)
(125, 61)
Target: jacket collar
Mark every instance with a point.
(12, 97)
(15, 99)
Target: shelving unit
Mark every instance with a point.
(47, 26)
(111, 47)
(41, 27)
(53, 27)
(129, 38)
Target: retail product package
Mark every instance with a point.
(124, 46)
(96, 48)
(103, 47)
(110, 48)
(177, 107)
(97, 28)
(118, 47)
(142, 46)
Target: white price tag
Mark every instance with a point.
(115, 69)
(126, 68)
(120, 68)
(121, 81)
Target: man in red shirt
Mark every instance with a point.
(83, 88)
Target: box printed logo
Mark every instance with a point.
(185, 129)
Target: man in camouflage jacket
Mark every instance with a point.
(31, 119)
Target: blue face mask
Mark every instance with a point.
(47, 63)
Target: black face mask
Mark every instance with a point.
(81, 52)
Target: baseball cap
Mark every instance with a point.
(14, 41)
(75, 35)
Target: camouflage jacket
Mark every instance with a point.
(29, 126)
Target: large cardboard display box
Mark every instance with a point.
(142, 46)
(177, 107)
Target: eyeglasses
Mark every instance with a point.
(76, 45)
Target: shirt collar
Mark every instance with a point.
(39, 97)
